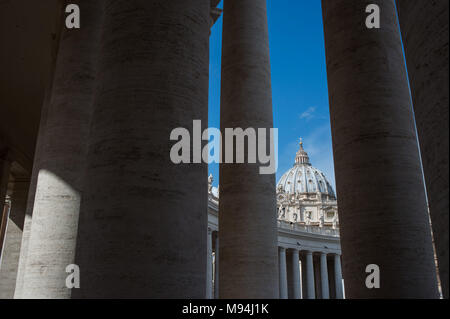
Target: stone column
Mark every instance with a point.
(310, 285)
(209, 264)
(338, 277)
(37, 157)
(303, 274)
(248, 227)
(294, 275)
(143, 217)
(324, 276)
(216, 267)
(424, 26)
(9, 261)
(282, 273)
(317, 282)
(5, 165)
(60, 179)
(378, 174)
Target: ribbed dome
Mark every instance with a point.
(304, 178)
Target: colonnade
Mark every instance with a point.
(138, 228)
(304, 274)
(212, 264)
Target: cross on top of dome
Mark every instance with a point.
(301, 157)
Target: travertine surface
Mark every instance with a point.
(248, 229)
(60, 179)
(424, 25)
(383, 212)
(143, 218)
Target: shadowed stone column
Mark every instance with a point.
(379, 183)
(143, 218)
(209, 265)
(424, 26)
(60, 179)
(248, 229)
(9, 262)
(216, 267)
(5, 165)
(324, 276)
(338, 277)
(36, 161)
(282, 272)
(294, 274)
(310, 284)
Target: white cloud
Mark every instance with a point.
(308, 114)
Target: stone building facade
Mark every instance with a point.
(309, 252)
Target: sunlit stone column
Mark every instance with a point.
(209, 268)
(424, 26)
(143, 217)
(216, 267)
(338, 276)
(324, 276)
(9, 261)
(60, 179)
(248, 229)
(282, 273)
(378, 175)
(37, 160)
(310, 284)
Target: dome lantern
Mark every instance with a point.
(301, 157)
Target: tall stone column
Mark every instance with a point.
(5, 165)
(424, 26)
(324, 276)
(310, 284)
(143, 217)
(282, 273)
(9, 262)
(338, 277)
(248, 229)
(216, 267)
(209, 268)
(37, 161)
(294, 275)
(384, 218)
(60, 179)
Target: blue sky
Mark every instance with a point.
(299, 83)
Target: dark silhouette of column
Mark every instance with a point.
(248, 229)
(9, 262)
(424, 26)
(59, 185)
(143, 218)
(381, 196)
(5, 165)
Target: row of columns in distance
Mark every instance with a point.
(307, 275)
(212, 264)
